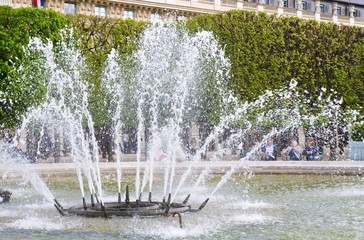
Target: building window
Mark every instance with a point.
(129, 13)
(356, 13)
(69, 8)
(322, 8)
(304, 5)
(266, 2)
(7, 3)
(100, 11)
(338, 11)
(285, 3)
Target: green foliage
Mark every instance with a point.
(17, 26)
(357, 133)
(267, 52)
(253, 44)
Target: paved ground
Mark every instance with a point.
(129, 165)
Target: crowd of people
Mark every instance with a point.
(293, 152)
(269, 152)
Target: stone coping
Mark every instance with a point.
(215, 167)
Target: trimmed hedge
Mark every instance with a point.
(268, 51)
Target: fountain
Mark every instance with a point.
(173, 81)
(162, 103)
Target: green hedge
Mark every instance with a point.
(268, 51)
(357, 133)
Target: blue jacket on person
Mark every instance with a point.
(314, 152)
(292, 155)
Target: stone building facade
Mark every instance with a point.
(350, 12)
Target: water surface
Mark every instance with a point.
(262, 207)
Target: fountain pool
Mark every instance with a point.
(261, 207)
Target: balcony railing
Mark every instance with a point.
(206, 1)
(359, 22)
(250, 5)
(308, 14)
(229, 3)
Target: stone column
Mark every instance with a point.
(217, 2)
(260, 6)
(334, 12)
(280, 7)
(317, 10)
(299, 8)
(351, 16)
(239, 4)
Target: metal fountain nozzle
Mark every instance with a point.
(150, 197)
(58, 204)
(203, 204)
(127, 199)
(84, 203)
(186, 199)
(168, 205)
(200, 207)
(59, 207)
(92, 200)
(119, 197)
(169, 198)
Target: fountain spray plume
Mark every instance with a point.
(65, 106)
(241, 110)
(288, 116)
(224, 121)
(157, 91)
(172, 70)
(289, 119)
(221, 151)
(254, 150)
(11, 156)
(328, 122)
(112, 81)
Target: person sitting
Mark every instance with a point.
(23, 156)
(311, 151)
(269, 150)
(293, 151)
(126, 143)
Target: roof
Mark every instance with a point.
(356, 2)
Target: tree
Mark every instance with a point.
(17, 26)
